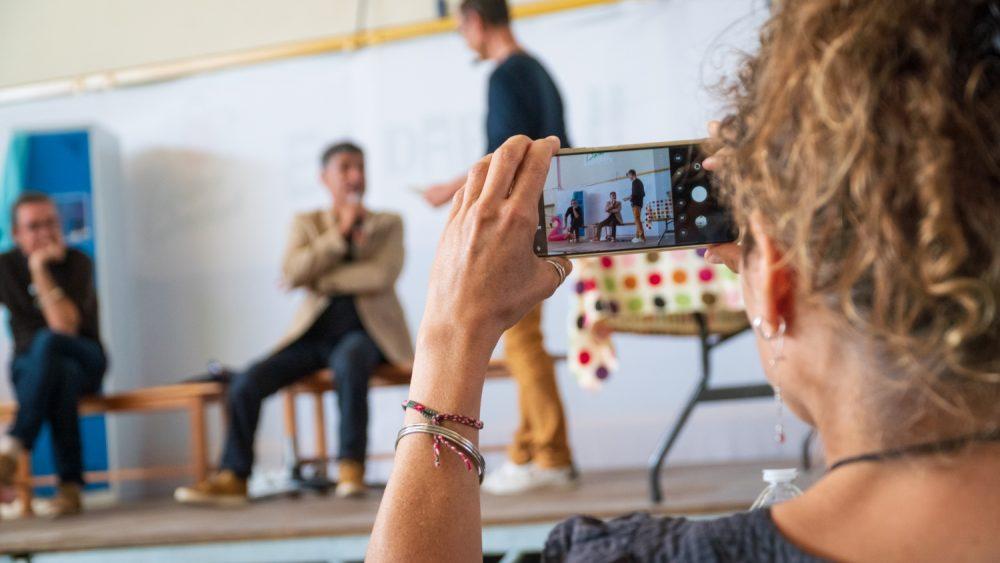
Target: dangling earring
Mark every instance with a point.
(777, 340)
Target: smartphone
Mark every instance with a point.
(592, 197)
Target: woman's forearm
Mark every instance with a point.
(484, 279)
(429, 511)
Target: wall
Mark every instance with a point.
(47, 39)
(215, 166)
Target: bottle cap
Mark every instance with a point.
(780, 475)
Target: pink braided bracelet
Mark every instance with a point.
(438, 418)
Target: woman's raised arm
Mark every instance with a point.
(485, 278)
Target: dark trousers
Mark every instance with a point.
(49, 379)
(574, 227)
(613, 222)
(353, 356)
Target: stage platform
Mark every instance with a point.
(318, 528)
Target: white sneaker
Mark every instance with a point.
(636, 240)
(514, 479)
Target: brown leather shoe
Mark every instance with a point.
(8, 468)
(351, 480)
(10, 453)
(224, 488)
(67, 502)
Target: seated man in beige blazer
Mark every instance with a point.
(347, 259)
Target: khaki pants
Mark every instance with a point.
(541, 433)
(640, 232)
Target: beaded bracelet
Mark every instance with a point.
(437, 418)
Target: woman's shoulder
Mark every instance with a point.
(746, 536)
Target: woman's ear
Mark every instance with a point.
(774, 279)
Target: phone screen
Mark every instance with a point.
(627, 199)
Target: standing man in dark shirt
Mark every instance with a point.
(346, 258)
(48, 290)
(523, 100)
(638, 198)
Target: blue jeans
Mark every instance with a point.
(49, 379)
(352, 356)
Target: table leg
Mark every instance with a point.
(25, 490)
(806, 443)
(199, 443)
(320, 420)
(657, 459)
(292, 428)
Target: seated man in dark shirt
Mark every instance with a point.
(574, 219)
(49, 292)
(347, 258)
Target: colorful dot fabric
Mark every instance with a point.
(622, 290)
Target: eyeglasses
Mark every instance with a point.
(41, 225)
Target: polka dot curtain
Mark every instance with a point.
(653, 293)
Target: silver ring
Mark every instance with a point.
(560, 270)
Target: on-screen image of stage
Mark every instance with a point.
(609, 201)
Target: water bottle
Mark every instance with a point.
(779, 487)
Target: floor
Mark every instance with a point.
(690, 490)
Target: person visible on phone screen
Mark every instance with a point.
(574, 219)
(637, 199)
(614, 210)
(522, 100)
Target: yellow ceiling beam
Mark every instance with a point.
(158, 72)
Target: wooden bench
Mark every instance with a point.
(190, 397)
(324, 381)
(194, 398)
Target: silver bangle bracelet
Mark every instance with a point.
(455, 438)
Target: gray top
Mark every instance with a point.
(747, 536)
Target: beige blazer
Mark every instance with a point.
(614, 208)
(315, 260)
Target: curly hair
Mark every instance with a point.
(866, 136)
